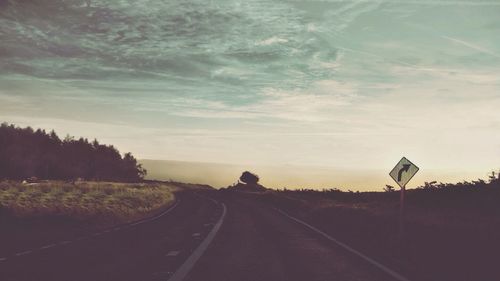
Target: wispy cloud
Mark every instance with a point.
(423, 2)
(336, 83)
(308, 105)
(473, 46)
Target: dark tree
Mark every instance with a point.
(27, 153)
(249, 178)
(389, 188)
(494, 177)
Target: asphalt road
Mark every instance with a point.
(254, 242)
(148, 250)
(259, 243)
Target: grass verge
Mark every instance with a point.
(450, 234)
(104, 201)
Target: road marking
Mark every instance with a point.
(161, 273)
(155, 217)
(23, 253)
(196, 235)
(377, 264)
(186, 267)
(98, 233)
(172, 254)
(166, 211)
(116, 228)
(95, 234)
(47, 246)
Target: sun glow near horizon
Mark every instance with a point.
(344, 85)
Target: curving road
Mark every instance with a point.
(148, 250)
(257, 242)
(231, 238)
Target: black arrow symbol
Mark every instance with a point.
(404, 169)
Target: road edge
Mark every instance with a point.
(188, 265)
(373, 262)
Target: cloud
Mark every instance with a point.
(311, 105)
(421, 3)
(473, 46)
(271, 41)
(340, 84)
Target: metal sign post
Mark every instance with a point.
(401, 213)
(402, 173)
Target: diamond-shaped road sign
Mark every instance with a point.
(403, 172)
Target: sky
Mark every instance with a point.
(338, 84)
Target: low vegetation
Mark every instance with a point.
(84, 200)
(447, 226)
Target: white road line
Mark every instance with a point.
(23, 253)
(116, 228)
(47, 246)
(3, 259)
(161, 274)
(172, 254)
(377, 264)
(149, 219)
(181, 273)
(100, 233)
(166, 211)
(157, 216)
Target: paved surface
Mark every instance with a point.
(149, 250)
(254, 242)
(258, 243)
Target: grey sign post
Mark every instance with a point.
(402, 173)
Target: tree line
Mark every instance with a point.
(25, 153)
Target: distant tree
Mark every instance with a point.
(54, 137)
(494, 177)
(479, 183)
(430, 185)
(389, 188)
(249, 178)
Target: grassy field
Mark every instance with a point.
(84, 200)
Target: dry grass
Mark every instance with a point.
(117, 201)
